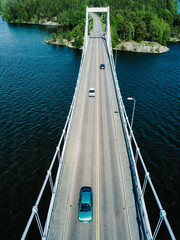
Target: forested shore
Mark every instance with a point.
(133, 20)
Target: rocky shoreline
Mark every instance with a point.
(50, 23)
(44, 22)
(63, 42)
(174, 39)
(142, 47)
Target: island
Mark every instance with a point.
(136, 26)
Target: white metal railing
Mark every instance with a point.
(134, 156)
(58, 156)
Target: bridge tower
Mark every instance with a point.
(93, 10)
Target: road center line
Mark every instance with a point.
(97, 152)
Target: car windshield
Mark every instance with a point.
(85, 207)
(91, 91)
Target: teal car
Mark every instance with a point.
(85, 213)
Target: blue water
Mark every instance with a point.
(179, 7)
(37, 83)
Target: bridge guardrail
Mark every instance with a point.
(58, 156)
(130, 138)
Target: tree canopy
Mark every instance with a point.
(151, 20)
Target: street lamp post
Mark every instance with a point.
(132, 118)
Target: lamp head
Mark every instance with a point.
(130, 98)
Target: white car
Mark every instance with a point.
(91, 92)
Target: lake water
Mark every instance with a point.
(37, 83)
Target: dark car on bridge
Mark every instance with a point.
(85, 213)
(102, 66)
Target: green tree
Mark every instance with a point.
(141, 31)
(126, 30)
(155, 31)
(53, 36)
(36, 19)
(63, 19)
(69, 36)
(166, 15)
(114, 37)
(166, 33)
(116, 21)
(78, 37)
(176, 26)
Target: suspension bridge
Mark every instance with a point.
(97, 148)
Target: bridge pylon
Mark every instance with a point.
(93, 10)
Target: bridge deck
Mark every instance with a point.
(96, 156)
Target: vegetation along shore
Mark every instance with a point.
(136, 25)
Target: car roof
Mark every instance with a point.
(86, 197)
(86, 194)
(91, 89)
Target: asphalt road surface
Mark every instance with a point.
(96, 156)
